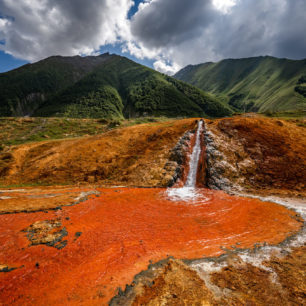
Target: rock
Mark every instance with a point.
(6, 268)
(83, 196)
(49, 232)
(171, 166)
(167, 181)
(77, 235)
(178, 155)
(279, 123)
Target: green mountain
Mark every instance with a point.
(106, 86)
(252, 84)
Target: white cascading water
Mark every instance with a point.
(194, 159)
(188, 193)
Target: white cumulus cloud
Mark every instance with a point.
(172, 33)
(34, 29)
(195, 31)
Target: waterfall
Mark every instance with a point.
(189, 193)
(194, 159)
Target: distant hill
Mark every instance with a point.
(105, 86)
(252, 84)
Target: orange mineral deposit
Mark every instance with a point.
(111, 238)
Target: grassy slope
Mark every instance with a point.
(23, 90)
(122, 88)
(113, 87)
(266, 81)
(15, 131)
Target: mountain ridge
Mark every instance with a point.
(263, 83)
(104, 86)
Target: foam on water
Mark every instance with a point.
(186, 194)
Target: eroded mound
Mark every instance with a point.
(128, 156)
(279, 281)
(174, 283)
(257, 154)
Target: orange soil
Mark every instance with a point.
(133, 156)
(279, 281)
(42, 198)
(175, 285)
(263, 154)
(122, 230)
(251, 285)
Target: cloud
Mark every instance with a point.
(40, 28)
(290, 40)
(209, 30)
(162, 23)
(224, 5)
(164, 66)
(172, 33)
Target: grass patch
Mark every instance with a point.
(286, 114)
(35, 184)
(16, 131)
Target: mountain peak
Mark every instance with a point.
(103, 86)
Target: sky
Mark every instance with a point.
(166, 35)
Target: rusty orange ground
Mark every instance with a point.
(122, 230)
(265, 155)
(40, 198)
(129, 156)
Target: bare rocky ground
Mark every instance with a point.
(278, 281)
(49, 232)
(250, 156)
(263, 275)
(130, 156)
(27, 199)
(254, 157)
